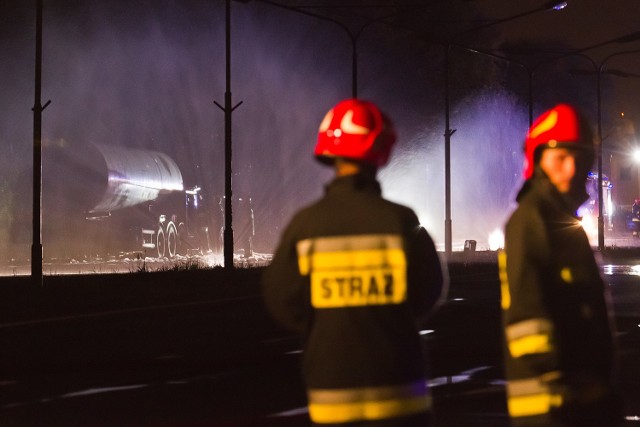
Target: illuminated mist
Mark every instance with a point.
(486, 160)
(146, 75)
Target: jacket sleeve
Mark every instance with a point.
(529, 331)
(285, 291)
(427, 285)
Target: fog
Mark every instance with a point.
(146, 75)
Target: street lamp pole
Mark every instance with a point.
(533, 69)
(448, 240)
(552, 5)
(353, 37)
(448, 132)
(448, 243)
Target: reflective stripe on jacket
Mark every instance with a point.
(332, 406)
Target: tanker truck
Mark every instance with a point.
(105, 199)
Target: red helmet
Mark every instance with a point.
(356, 130)
(560, 127)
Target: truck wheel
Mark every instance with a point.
(160, 242)
(172, 240)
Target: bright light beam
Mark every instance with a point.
(496, 240)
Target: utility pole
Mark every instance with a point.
(448, 132)
(36, 246)
(228, 212)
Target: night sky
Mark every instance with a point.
(582, 24)
(145, 74)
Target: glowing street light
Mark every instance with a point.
(549, 6)
(558, 5)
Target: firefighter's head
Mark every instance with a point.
(560, 143)
(355, 131)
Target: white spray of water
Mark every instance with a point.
(486, 160)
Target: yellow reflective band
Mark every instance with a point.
(359, 394)
(535, 404)
(304, 255)
(523, 328)
(371, 286)
(343, 260)
(328, 413)
(310, 251)
(505, 300)
(303, 265)
(566, 275)
(530, 344)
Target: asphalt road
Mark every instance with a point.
(198, 349)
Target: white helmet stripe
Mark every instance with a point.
(347, 125)
(324, 125)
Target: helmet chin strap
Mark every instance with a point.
(345, 167)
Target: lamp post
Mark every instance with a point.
(353, 36)
(533, 69)
(552, 5)
(449, 132)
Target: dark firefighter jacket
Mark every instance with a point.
(355, 274)
(559, 350)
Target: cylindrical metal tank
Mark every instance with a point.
(102, 183)
(136, 176)
(98, 179)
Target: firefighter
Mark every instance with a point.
(356, 276)
(559, 346)
(635, 208)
